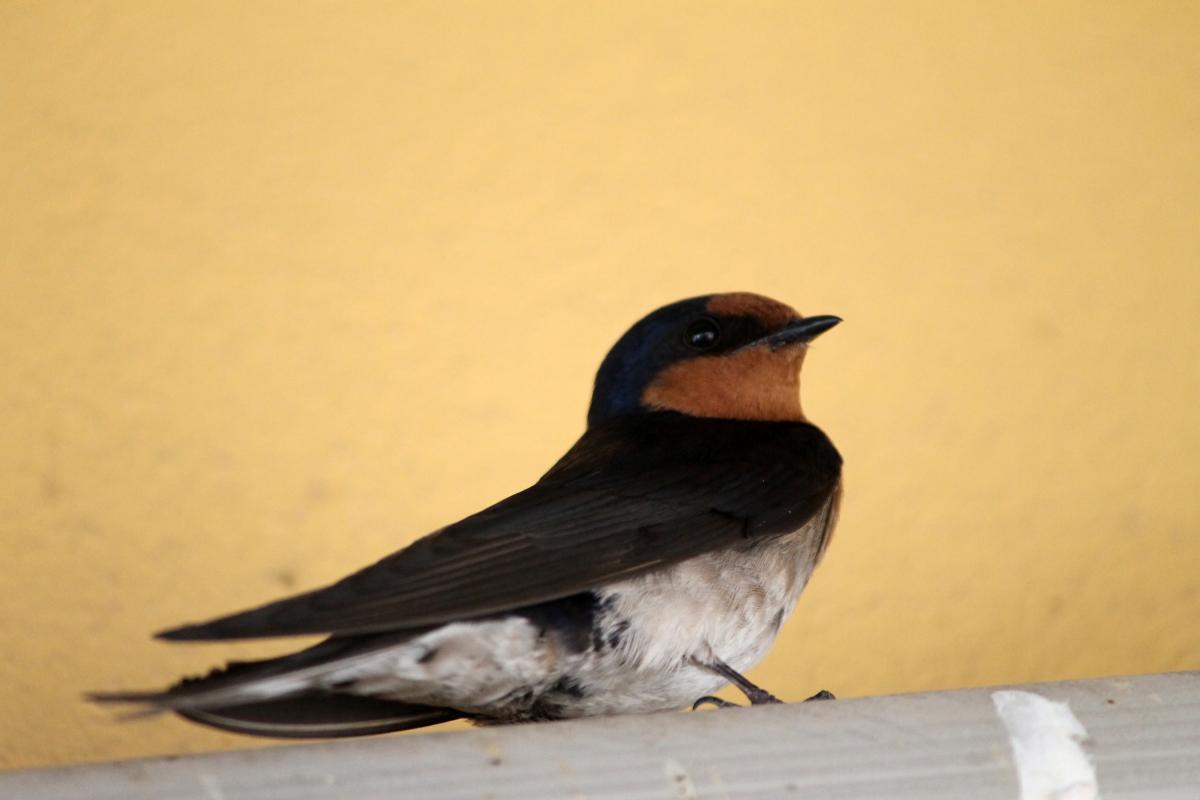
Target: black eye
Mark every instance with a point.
(702, 334)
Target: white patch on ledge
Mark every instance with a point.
(1046, 743)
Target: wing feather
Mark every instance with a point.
(629, 497)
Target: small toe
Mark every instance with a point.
(708, 699)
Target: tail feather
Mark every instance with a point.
(281, 697)
(320, 715)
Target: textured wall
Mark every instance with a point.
(284, 286)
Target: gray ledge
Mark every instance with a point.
(1144, 742)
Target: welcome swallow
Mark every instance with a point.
(652, 564)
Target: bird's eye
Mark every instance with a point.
(702, 334)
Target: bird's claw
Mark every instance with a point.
(708, 699)
(824, 694)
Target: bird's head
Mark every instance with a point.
(733, 356)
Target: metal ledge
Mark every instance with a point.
(1144, 742)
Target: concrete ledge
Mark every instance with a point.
(1145, 743)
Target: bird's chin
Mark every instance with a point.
(793, 351)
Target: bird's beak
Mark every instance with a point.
(798, 331)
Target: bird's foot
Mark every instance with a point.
(759, 698)
(763, 698)
(710, 700)
(756, 695)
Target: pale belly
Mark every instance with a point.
(727, 606)
(650, 635)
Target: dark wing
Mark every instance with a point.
(630, 496)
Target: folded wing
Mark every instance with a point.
(630, 496)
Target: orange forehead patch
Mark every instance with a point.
(757, 383)
(771, 313)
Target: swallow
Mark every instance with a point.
(651, 565)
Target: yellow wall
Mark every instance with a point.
(284, 287)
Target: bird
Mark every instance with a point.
(651, 565)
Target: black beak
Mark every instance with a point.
(800, 331)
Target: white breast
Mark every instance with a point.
(726, 605)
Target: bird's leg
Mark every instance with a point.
(755, 694)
